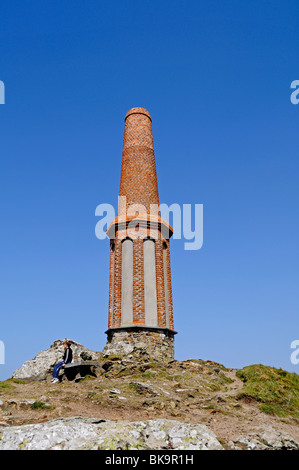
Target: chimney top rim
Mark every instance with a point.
(138, 111)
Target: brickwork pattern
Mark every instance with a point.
(138, 181)
(160, 284)
(169, 286)
(111, 284)
(139, 186)
(116, 318)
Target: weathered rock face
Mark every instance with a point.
(140, 345)
(87, 433)
(40, 367)
(265, 439)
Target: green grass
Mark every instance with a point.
(224, 379)
(87, 377)
(133, 385)
(6, 384)
(148, 375)
(17, 381)
(113, 357)
(125, 372)
(272, 409)
(40, 405)
(276, 389)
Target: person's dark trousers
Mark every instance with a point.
(57, 367)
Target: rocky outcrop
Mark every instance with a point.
(94, 434)
(265, 439)
(41, 366)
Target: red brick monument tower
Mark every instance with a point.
(140, 322)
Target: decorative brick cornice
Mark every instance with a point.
(122, 224)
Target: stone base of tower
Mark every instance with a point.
(141, 343)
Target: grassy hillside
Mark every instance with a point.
(276, 389)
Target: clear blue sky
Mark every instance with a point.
(215, 77)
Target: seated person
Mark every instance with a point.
(67, 358)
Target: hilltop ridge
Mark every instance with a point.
(238, 406)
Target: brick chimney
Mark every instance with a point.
(140, 320)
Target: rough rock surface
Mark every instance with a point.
(141, 345)
(265, 439)
(94, 434)
(39, 367)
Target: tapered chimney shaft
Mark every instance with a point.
(138, 182)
